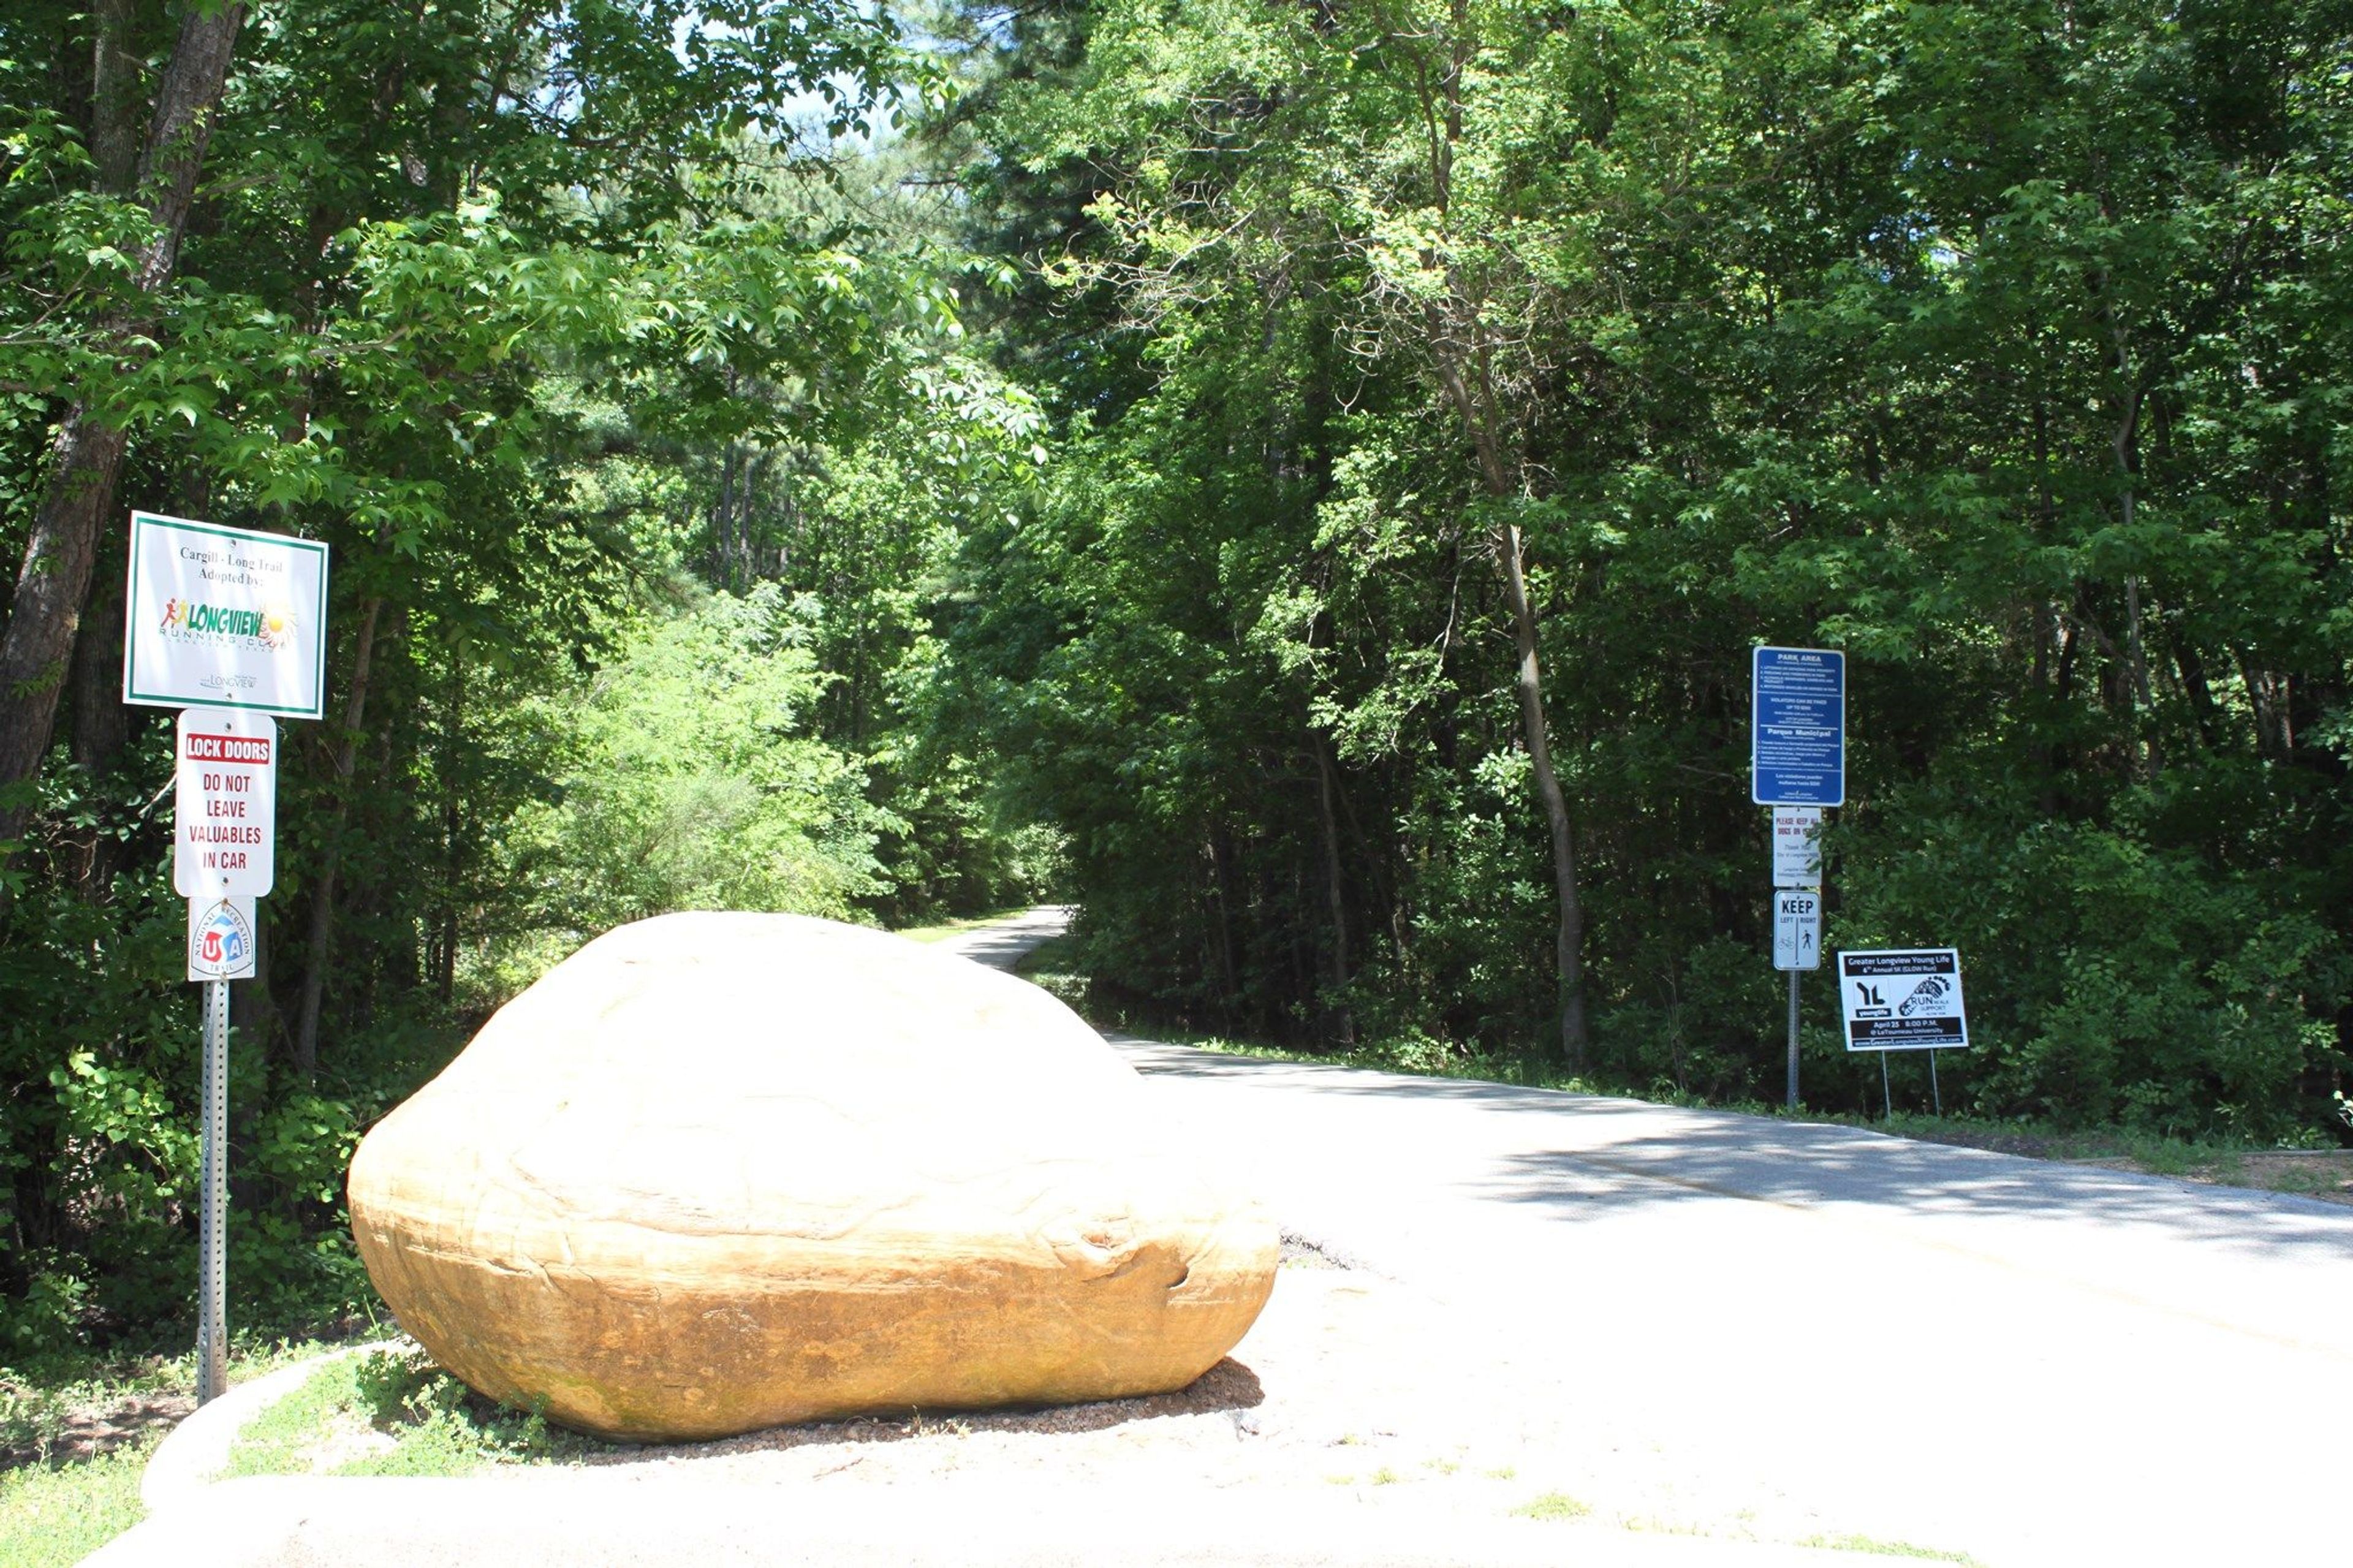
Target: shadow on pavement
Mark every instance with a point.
(1577, 1143)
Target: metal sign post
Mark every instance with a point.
(1796, 947)
(212, 1235)
(230, 625)
(1793, 1040)
(225, 830)
(1796, 764)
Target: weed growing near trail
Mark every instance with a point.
(392, 1412)
(1871, 1546)
(1553, 1505)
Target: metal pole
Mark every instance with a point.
(1793, 1039)
(212, 1304)
(1932, 1082)
(1886, 1094)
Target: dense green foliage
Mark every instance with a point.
(1151, 473)
(2000, 344)
(575, 335)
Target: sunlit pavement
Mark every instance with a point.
(2029, 1362)
(1002, 944)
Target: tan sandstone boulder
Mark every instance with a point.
(721, 1172)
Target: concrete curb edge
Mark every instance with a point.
(194, 1453)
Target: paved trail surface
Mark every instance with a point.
(1708, 1320)
(2028, 1361)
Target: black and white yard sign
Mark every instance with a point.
(1903, 999)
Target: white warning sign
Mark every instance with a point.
(226, 826)
(1798, 847)
(1903, 999)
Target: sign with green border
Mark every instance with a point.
(225, 617)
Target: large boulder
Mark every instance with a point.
(721, 1172)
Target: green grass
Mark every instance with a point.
(60, 1503)
(391, 1412)
(1553, 1505)
(952, 928)
(51, 1515)
(1878, 1547)
(2156, 1155)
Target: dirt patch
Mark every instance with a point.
(86, 1432)
(2320, 1173)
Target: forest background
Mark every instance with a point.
(1297, 481)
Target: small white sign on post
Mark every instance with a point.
(1905, 999)
(1797, 928)
(1798, 847)
(223, 841)
(225, 617)
(221, 944)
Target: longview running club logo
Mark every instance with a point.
(184, 620)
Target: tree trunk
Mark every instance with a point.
(114, 97)
(445, 975)
(101, 720)
(316, 950)
(54, 580)
(1334, 886)
(1568, 945)
(1569, 952)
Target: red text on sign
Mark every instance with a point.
(229, 749)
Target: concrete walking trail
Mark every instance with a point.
(1701, 1320)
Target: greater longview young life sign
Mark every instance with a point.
(1903, 999)
(225, 617)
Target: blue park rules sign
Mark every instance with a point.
(1797, 727)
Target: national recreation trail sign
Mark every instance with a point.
(1797, 726)
(225, 617)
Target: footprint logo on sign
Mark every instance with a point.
(1928, 997)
